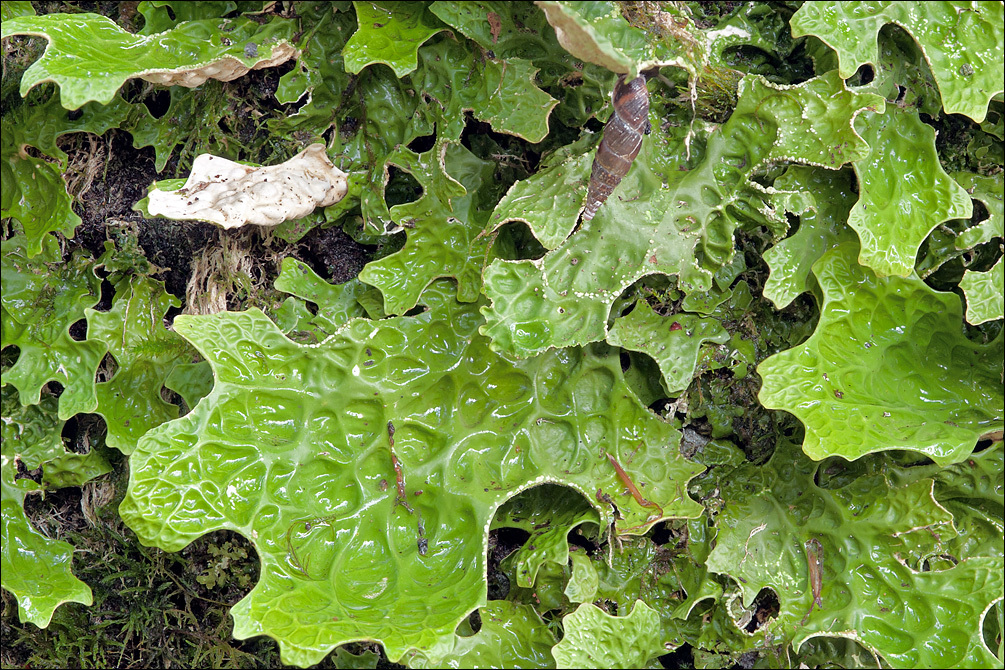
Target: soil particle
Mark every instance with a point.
(172, 245)
(118, 177)
(502, 543)
(333, 254)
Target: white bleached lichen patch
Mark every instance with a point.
(231, 195)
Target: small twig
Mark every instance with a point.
(399, 474)
(627, 481)
(815, 562)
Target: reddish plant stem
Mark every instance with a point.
(815, 563)
(627, 481)
(399, 474)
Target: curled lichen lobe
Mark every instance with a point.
(231, 195)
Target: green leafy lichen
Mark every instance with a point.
(904, 191)
(685, 228)
(444, 227)
(293, 450)
(390, 34)
(145, 355)
(984, 295)
(887, 368)
(527, 493)
(962, 42)
(594, 639)
(548, 523)
(672, 341)
(36, 568)
(90, 57)
(849, 558)
(512, 636)
(42, 298)
(824, 227)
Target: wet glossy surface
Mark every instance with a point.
(35, 568)
(42, 305)
(887, 368)
(905, 192)
(666, 217)
(595, 639)
(855, 554)
(90, 57)
(291, 449)
(964, 42)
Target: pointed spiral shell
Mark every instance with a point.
(621, 141)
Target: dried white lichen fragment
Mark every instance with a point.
(230, 194)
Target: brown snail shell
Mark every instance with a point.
(621, 141)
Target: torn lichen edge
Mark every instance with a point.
(231, 195)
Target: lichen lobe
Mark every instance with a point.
(231, 195)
